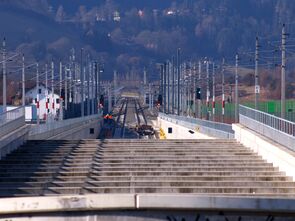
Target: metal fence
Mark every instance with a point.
(210, 128)
(275, 128)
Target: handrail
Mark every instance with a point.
(272, 121)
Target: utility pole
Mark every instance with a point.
(37, 95)
(60, 91)
(96, 87)
(82, 84)
(66, 88)
(93, 92)
(213, 91)
(168, 86)
(194, 84)
(200, 88)
(165, 88)
(71, 81)
(23, 83)
(144, 86)
(60, 79)
(74, 77)
(237, 90)
(173, 84)
(178, 81)
(88, 86)
(222, 89)
(46, 91)
(150, 97)
(52, 88)
(283, 74)
(115, 86)
(4, 75)
(109, 98)
(257, 87)
(208, 90)
(162, 84)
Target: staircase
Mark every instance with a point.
(203, 167)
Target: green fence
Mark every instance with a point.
(272, 107)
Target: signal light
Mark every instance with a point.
(198, 94)
(160, 99)
(101, 101)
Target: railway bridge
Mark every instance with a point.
(190, 169)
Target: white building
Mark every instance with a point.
(49, 104)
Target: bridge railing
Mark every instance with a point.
(12, 120)
(275, 128)
(210, 128)
(11, 115)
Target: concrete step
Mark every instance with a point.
(219, 167)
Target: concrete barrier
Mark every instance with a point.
(177, 131)
(27, 205)
(198, 127)
(71, 129)
(118, 202)
(13, 140)
(272, 152)
(214, 203)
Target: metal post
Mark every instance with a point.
(37, 96)
(283, 74)
(257, 88)
(23, 83)
(222, 89)
(178, 81)
(4, 75)
(213, 91)
(237, 90)
(82, 84)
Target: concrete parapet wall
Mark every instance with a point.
(80, 129)
(180, 132)
(271, 151)
(209, 128)
(119, 202)
(13, 140)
